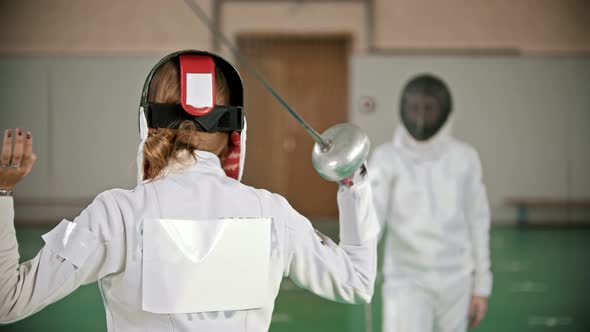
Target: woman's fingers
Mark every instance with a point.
(29, 156)
(16, 162)
(19, 148)
(6, 148)
(21, 156)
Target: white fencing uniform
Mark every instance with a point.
(108, 243)
(432, 200)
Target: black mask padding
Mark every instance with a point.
(431, 86)
(221, 118)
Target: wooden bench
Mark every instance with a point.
(523, 204)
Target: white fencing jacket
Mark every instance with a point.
(434, 204)
(106, 243)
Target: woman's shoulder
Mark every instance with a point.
(283, 214)
(268, 197)
(124, 202)
(128, 196)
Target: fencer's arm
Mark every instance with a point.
(478, 214)
(75, 253)
(344, 272)
(381, 185)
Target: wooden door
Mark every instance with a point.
(312, 76)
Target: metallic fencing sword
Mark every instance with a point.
(338, 152)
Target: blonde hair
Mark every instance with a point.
(164, 144)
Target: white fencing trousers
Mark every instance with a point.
(413, 308)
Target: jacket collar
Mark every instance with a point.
(430, 149)
(203, 161)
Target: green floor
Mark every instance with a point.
(542, 279)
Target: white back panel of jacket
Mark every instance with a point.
(205, 265)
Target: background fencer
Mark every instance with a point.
(190, 241)
(428, 191)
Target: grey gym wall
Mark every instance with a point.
(83, 115)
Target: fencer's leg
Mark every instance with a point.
(410, 309)
(368, 317)
(452, 308)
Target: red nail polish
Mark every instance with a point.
(19, 132)
(29, 135)
(9, 133)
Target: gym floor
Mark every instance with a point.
(541, 284)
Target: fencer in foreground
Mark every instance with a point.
(429, 193)
(191, 248)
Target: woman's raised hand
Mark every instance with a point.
(17, 161)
